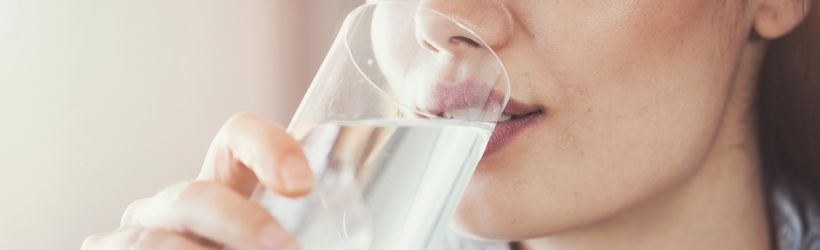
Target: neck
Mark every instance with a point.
(720, 207)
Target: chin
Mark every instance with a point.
(469, 229)
(487, 217)
(490, 227)
(488, 211)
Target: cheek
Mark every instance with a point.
(643, 85)
(640, 86)
(606, 37)
(651, 92)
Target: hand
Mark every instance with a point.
(214, 211)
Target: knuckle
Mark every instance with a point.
(241, 118)
(131, 211)
(90, 241)
(244, 122)
(253, 127)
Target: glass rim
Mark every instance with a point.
(356, 13)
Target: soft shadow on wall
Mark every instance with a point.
(105, 102)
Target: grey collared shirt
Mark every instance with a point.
(797, 220)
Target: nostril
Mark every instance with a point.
(427, 45)
(465, 40)
(454, 42)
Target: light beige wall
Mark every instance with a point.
(103, 102)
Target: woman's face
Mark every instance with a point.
(631, 92)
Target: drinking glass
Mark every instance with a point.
(393, 126)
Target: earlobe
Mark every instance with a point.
(775, 18)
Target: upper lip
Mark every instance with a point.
(467, 93)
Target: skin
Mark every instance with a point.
(647, 139)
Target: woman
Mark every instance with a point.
(676, 124)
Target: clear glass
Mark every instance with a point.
(393, 126)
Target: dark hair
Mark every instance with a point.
(788, 102)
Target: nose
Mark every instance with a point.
(470, 82)
(490, 19)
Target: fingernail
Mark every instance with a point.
(276, 238)
(296, 175)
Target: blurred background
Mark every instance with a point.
(104, 102)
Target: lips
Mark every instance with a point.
(516, 118)
(470, 100)
(455, 100)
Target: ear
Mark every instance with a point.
(775, 18)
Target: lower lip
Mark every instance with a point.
(505, 132)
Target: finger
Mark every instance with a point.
(211, 211)
(141, 238)
(129, 218)
(248, 148)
